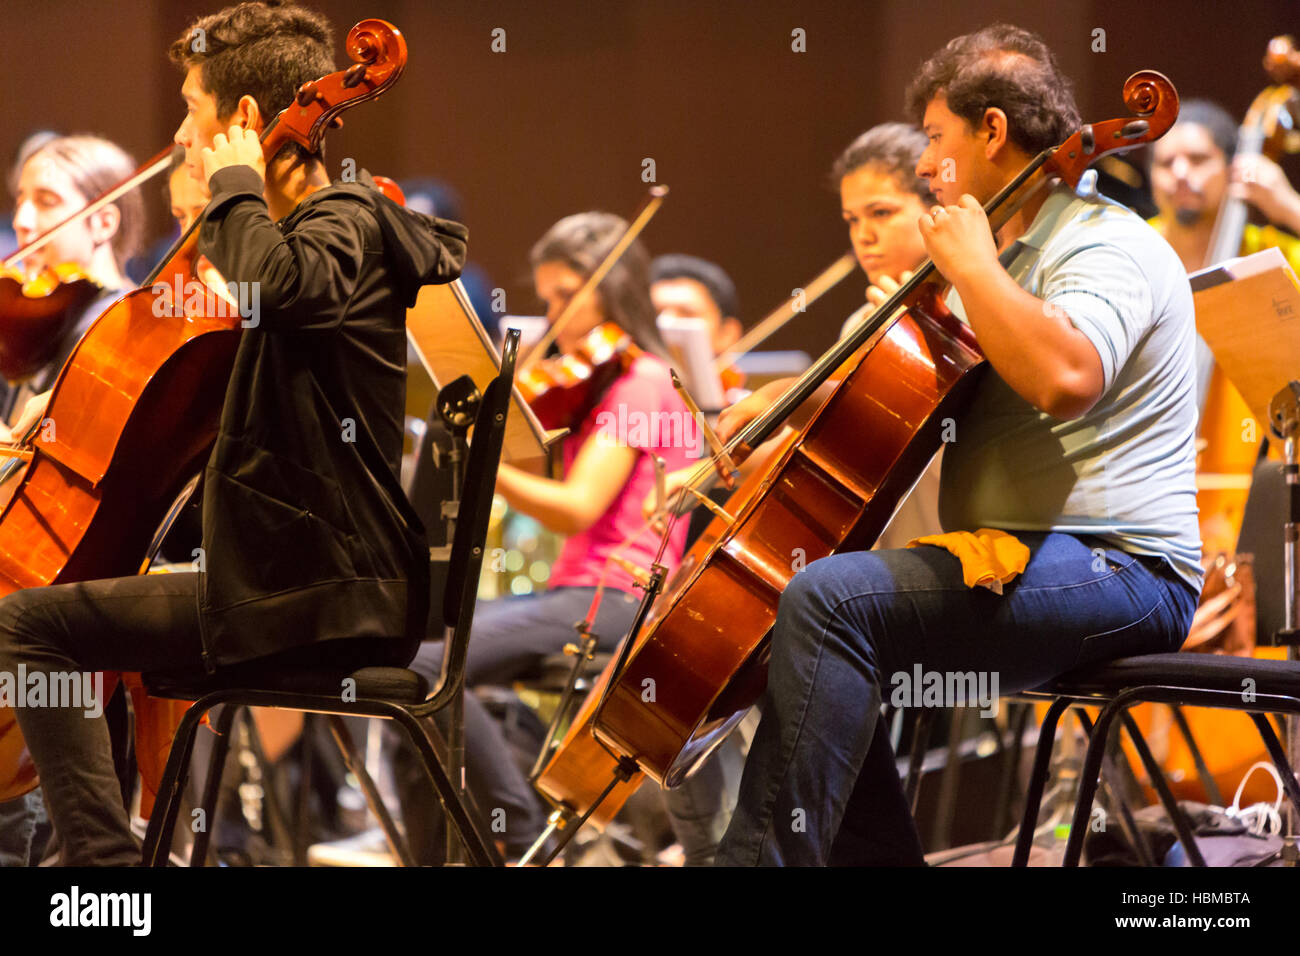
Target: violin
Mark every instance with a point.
(911, 364)
(138, 404)
(562, 390)
(35, 314)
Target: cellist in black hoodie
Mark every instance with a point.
(309, 544)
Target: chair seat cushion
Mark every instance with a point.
(396, 684)
(1209, 671)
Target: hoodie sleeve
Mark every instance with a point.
(303, 279)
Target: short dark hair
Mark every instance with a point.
(265, 50)
(893, 148)
(708, 274)
(1217, 121)
(1006, 67)
(580, 242)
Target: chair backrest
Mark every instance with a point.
(475, 508)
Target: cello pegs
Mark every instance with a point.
(307, 93)
(354, 75)
(1134, 129)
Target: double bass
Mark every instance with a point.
(133, 413)
(684, 681)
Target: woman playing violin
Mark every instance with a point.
(330, 345)
(57, 180)
(607, 470)
(1078, 442)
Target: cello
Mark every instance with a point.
(684, 681)
(133, 413)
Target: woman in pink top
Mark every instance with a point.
(608, 471)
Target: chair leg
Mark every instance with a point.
(1038, 780)
(158, 837)
(1090, 776)
(347, 747)
(920, 742)
(480, 848)
(1202, 771)
(1279, 758)
(1182, 825)
(212, 784)
(1113, 782)
(1002, 815)
(302, 800)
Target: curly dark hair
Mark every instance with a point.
(893, 148)
(1006, 67)
(265, 50)
(580, 242)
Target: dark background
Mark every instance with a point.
(741, 128)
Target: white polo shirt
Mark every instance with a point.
(1125, 471)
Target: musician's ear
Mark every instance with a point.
(993, 130)
(103, 223)
(247, 114)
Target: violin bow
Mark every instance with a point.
(142, 175)
(639, 222)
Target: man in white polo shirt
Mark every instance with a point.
(1079, 442)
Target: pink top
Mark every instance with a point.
(642, 411)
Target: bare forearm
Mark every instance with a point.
(559, 506)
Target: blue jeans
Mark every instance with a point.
(23, 830)
(820, 785)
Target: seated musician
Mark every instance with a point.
(1078, 442)
(1194, 165)
(597, 504)
(58, 178)
(329, 586)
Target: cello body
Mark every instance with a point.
(132, 417)
(835, 489)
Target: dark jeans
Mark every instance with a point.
(144, 623)
(24, 830)
(820, 785)
(510, 636)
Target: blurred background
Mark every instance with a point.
(740, 127)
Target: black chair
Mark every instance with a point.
(392, 693)
(1196, 680)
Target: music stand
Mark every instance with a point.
(450, 341)
(1248, 313)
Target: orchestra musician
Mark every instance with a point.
(596, 504)
(1078, 441)
(1193, 166)
(57, 179)
(330, 344)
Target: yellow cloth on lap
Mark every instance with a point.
(988, 558)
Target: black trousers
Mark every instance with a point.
(61, 635)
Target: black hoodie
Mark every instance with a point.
(307, 534)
